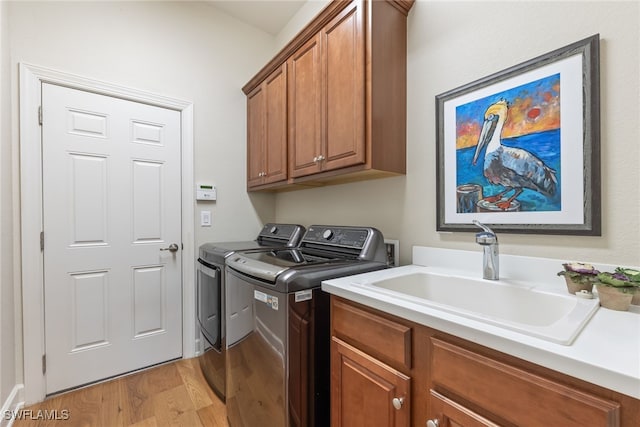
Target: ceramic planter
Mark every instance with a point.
(615, 298)
(636, 297)
(574, 286)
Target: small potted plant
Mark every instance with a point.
(579, 276)
(617, 290)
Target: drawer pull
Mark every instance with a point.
(398, 402)
(433, 423)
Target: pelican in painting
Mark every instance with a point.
(513, 168)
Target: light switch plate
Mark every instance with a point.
(205, 218)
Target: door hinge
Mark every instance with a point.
(44, 364)
(42, 240)
(40, 115)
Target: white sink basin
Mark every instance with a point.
(550, 316)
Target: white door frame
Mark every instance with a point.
(31, 79)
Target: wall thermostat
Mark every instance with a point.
(205, 192)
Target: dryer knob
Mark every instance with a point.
(328, 234)
(273, 230)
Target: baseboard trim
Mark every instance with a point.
(199, 347)
(11, 406)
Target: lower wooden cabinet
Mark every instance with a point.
(450, 382)
(365, 391)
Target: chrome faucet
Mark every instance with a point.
(489, 242)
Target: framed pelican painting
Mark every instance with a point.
(520, 149)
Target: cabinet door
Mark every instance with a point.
(275, 148)
(364, 389)
(256, 113)
(343, 125)
(451, 414)
(305, 109)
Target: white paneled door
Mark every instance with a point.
(112, 233)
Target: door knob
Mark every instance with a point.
(433, 423)
(398, 402)
(172, 248)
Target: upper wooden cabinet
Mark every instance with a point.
(327, 84)
(267, 130)
(346, 92)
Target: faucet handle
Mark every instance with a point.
(486, 237)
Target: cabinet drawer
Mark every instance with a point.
(386, 339)
(514, 395)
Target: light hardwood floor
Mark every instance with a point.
(175, 394)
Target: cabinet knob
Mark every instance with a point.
(433, 423)
(320, 158)
(315, 159)
(398, 402)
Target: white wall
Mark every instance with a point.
(8, 372)
(454, 43)
(302, 17)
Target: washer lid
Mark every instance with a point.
(216, 252)
(256, 268)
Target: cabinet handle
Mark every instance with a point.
(433, 423)
(398, 402)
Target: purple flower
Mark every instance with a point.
(580, 268)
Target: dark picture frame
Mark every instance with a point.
(519, 150)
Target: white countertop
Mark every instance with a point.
(606, 352)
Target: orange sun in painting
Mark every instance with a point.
(533, 113)
(525, 118)
(528, 113)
